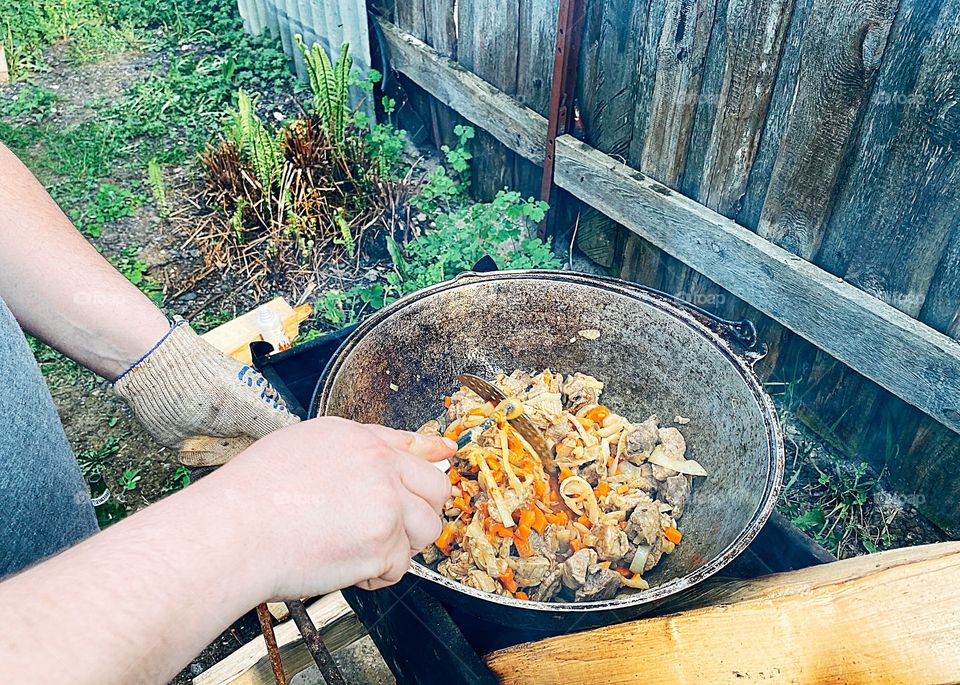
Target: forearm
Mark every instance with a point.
(135, 603)
(60, 288)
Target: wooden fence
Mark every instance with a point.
(828, 128)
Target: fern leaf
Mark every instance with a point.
(341, 82)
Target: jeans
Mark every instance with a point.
(44, 502)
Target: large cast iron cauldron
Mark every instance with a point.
(654, 356)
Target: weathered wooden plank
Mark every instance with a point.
(440, 30)
(754, 32)
(487, 46)
(892, 617)
(681, 54)
(893, 219)
(906, 357)
(517, 127)
(537, 39)
(842, 48)
(941, 309)
(616, 57)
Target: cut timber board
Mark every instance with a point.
(906, 357)
(892, 617)
(250, 665)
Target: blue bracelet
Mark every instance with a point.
(173, 326)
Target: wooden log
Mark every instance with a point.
(234, 337)
(250, 665)
(892, 617)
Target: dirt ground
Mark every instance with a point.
(90, 411)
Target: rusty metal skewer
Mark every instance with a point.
(266, 626)
(311, 638)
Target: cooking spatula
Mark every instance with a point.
(491, 393)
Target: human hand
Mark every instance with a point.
(197, 400)
(342, 503)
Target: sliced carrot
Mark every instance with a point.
(622, 489)
(560, 518)
(507, 579)
(520, 594)
(576, 545)
(565, 473)
(539, 520)
(623, 525)
(598, 414)
(602, 489)
(604, 564)
(477, 411)
(454, 432)
(623, 571)
(521, 540)
(540, 488)
(454, 476)
(446, 538)
(672, 534)
(527, 517)
(447, 401)
(584, 520)
(461, 504)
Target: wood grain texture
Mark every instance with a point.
(440, 24)
(520, 129)
(536, 46)
(681, 55)
(617, 63)
(892, 617)
(889, 232)
(250, 665)
(487, 46)
(843, 45)
(901, 354)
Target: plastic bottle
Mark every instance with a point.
(271, 328)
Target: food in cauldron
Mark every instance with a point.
(587, 526)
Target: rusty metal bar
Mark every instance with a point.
(311, 638)
(569, 30)
(266, 627)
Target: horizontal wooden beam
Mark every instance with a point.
(519, 128)
(909, 359)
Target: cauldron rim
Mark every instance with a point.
(741, 362)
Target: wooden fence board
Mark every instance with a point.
(681, 53)
(441, 34)
(617, 61)
(488, 47)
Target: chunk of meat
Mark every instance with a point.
(514, 385)
(431, 554)
(601, 583)
(673, 442)
(456, 566)
(643, 526)
(431, 427)
(479, 580)
(549, 588)
(610, 542)
(529, 571)
(581, 389)
(655, 553)
(675, 491)
(642, 439)
(543, 409)
(482, 551)
(461, 402)
(575, 567)
(545, 545)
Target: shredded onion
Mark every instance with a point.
(660, 457)
(640, 558)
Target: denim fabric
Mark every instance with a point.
(44, 502)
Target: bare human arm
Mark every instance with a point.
(60, 288)
(311, 508)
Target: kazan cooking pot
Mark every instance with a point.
(655, 355)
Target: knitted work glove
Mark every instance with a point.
(193, 398)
